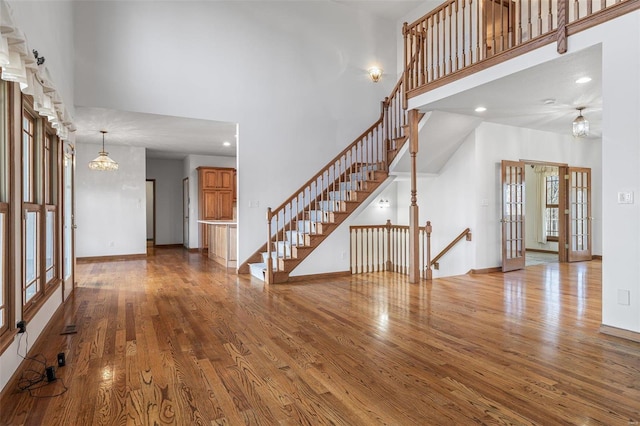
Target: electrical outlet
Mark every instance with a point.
(22, 326)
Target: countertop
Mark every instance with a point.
(217, 222)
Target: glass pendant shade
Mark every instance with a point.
(102, 162)
(580, 125)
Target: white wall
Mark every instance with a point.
(292, 74)
(191, 164)
(49, 28)
(448, 200)
(497, 142)
(110, 206)
(467, 191)
(168, 175)
(621, 171)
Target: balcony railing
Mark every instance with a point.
(464, 36)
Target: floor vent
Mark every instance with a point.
(69, 329)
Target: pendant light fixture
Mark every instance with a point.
(102, 161)
(580, 125)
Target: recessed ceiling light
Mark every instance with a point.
(583, 80)
(481, 109)
(225, 143)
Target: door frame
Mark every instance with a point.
(513, 230)
(153, 208)
(564, 207)
(68, 280)
(186, 201)
(573, 214)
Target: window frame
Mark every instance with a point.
(43, 194)
(7, 303)
(549, 206)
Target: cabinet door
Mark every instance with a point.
(208, 179)
(225, 206)
(210, 205)
(225, 179)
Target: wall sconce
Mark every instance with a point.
(383, 204)
(580, 125)
(375, 73)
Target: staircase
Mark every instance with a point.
(312, 213)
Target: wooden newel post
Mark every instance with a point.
(428, 273)
(388, 262)
(269, 274)
(414, 228)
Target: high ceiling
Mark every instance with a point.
(543, 97)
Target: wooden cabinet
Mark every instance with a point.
(222, 244)
(215, 197)
(217, 205)
(216, 178)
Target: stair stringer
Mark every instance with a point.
(300, 253)
(338, 240)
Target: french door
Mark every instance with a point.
(513, 214)
(575, 234)
(577, 213)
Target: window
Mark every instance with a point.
(50, 195)
(28, 161)
(31, 286)
(552, 211)
(40, 152)
(30, 215)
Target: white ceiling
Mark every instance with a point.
(519, 99)
(163, 136)
(390, 9)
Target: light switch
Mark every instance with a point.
(625, 197)
(624, 297)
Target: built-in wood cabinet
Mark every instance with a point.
(215, 197)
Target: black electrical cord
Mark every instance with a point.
(32, 377)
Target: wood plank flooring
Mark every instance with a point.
(174, 339)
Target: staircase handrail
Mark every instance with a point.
(465, 233)
(326, 167)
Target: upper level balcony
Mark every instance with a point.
(462, 37)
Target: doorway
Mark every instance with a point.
(185, 212)
(542, 193)
(556, 210)
(151, 212)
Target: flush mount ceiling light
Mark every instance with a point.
(580, 125)
(480, 109)
(375, 73)
(226, 143)
(583, 80)
(102, 162)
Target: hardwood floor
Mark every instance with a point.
(174, 339)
